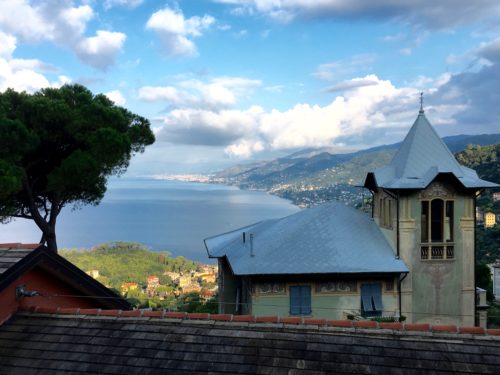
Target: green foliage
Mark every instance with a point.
(58, 147)
(484, 280)
(488, 244)
(486, 161)
(480, 157)
(121, 262)
(494, 315)
(192, 303)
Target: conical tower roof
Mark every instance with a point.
(421, 157)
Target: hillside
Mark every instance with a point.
(486, 161)
(313, 176)
(120, 262)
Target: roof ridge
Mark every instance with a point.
(274, 321)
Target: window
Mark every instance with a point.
(437, 221)
(385, 212)
(300, 300)
(371, 299)
(436, 229)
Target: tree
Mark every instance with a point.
(58, 147)
(484, 280)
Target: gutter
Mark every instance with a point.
(399, 291)
(396, 197)
(476, 322)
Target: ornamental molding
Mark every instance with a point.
(437, 190)
(337, 287)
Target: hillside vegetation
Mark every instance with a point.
(486, 161)
(119, 262)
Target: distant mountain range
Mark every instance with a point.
(313, 175)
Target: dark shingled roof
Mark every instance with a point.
(11, 253)
(57, 344)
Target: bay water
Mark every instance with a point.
(164, 215)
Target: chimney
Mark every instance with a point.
(251, 245)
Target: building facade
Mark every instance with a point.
(489, 220)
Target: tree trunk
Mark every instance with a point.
(50, 240)
(48, 228)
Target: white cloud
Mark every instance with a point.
(370, 109)
(160, 93)
(432, 13)
(217, 93)
(23, 74)
(116, 97)
(175, 31)
(341, 68)
(14, 74)
(101, 50)
(7, 45)
(122, 3)
(62, 23)
(207, 127)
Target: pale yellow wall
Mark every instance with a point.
(489, 220)
(324, 305)
(437, 291)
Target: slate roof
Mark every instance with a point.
(11, 253)
(62, 344)
(331, 238)
(421, 157)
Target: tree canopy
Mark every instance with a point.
(58, 147)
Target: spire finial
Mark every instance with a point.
(421, 102)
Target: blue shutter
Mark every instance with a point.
(366, 297)
(377, 296)
(305, 299)
(295, 300)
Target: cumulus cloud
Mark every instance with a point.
(116, 97)
(14, 75)
(176, 32)
(431, 13)
(206, 127)
(368, 110)
(23, 74)
(217, 93)
(101, 50)
(63, 23)
(7, 45)
(245, 132)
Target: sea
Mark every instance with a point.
(164, 215)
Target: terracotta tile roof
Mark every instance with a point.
(115, 342)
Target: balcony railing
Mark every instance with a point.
(437, 251)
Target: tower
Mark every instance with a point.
(424, 203)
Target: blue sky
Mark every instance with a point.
(229, 81)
